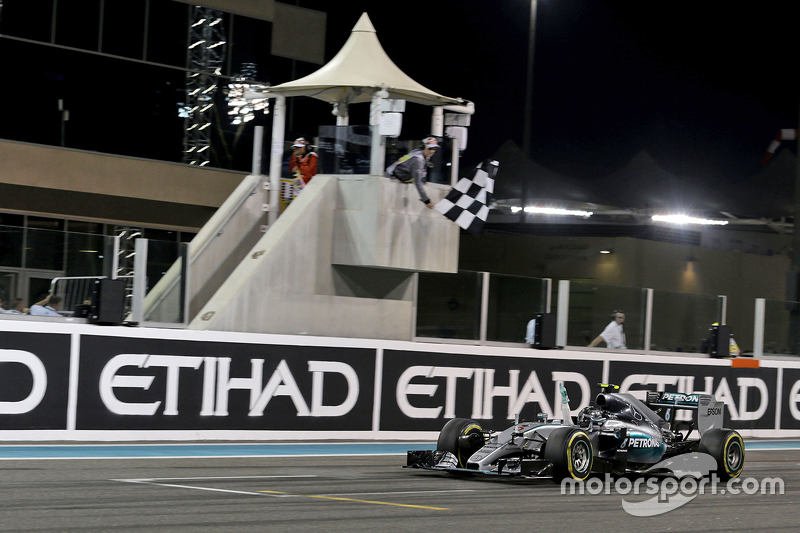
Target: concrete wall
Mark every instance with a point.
(288, 283)
(381, 223)
(58, 181)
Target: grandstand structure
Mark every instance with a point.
(345, 260)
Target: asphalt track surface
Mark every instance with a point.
(188, 489)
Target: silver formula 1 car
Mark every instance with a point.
(617, 434)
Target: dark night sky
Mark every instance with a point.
(702, 89)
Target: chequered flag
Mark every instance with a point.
(467, 204)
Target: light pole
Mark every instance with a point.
(526, 131)
(526, 134)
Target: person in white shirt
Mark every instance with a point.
(18, 308)
(50, 306)
(613, 335)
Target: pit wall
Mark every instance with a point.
(68, 382)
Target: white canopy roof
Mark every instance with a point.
(360, 68)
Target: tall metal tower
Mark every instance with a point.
(205, 54)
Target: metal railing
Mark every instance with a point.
(77, 290)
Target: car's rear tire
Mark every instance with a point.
(571, 453)
(449, 439)
(727, 448)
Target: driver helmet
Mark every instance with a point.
(588, 414)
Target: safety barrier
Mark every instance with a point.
(78, 382)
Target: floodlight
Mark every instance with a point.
(243, 109)
(686, 219)
(553, 211)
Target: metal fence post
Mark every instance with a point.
(414, 304)
(139, 280)
(115, 258)
(648, 320)
(484, 306)
(758, 328)
(563, 312)
(548, 294)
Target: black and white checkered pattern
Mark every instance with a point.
(467, 204)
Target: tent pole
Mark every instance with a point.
(437, 121)
(276, 156)
(377, 153)
(341, 112)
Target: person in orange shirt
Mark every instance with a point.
(303, 163)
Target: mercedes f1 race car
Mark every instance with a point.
(617, 434)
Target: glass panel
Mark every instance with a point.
(165, 299)
(513, 302)
(166, 33)
(160, 234)
(44, 249)
(11, 246)
(8, 288)
(344, 150)
(681, 321)
(127, 243)
(45, 223)
(7, 219)
(780, 320)
(78, 23)
(30, 19)
(160, 256)
(33, 73)
(79, 226)
(86, 254)
(123, 28)
(592, 306)
(448, 305)
(38, 288)
(251, 44)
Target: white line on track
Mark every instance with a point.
(398, 492)
(210, 489)
(777, 449)
(231, 456)
(133, 480)
(157, 482)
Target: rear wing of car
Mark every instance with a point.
(710, 412)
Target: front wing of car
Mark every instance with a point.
(447, 462)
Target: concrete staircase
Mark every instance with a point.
(340, 261)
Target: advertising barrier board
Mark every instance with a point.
(34, 380)
(81, 382)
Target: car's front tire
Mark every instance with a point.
(727, 448)
(571, 453)
(450, 439)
